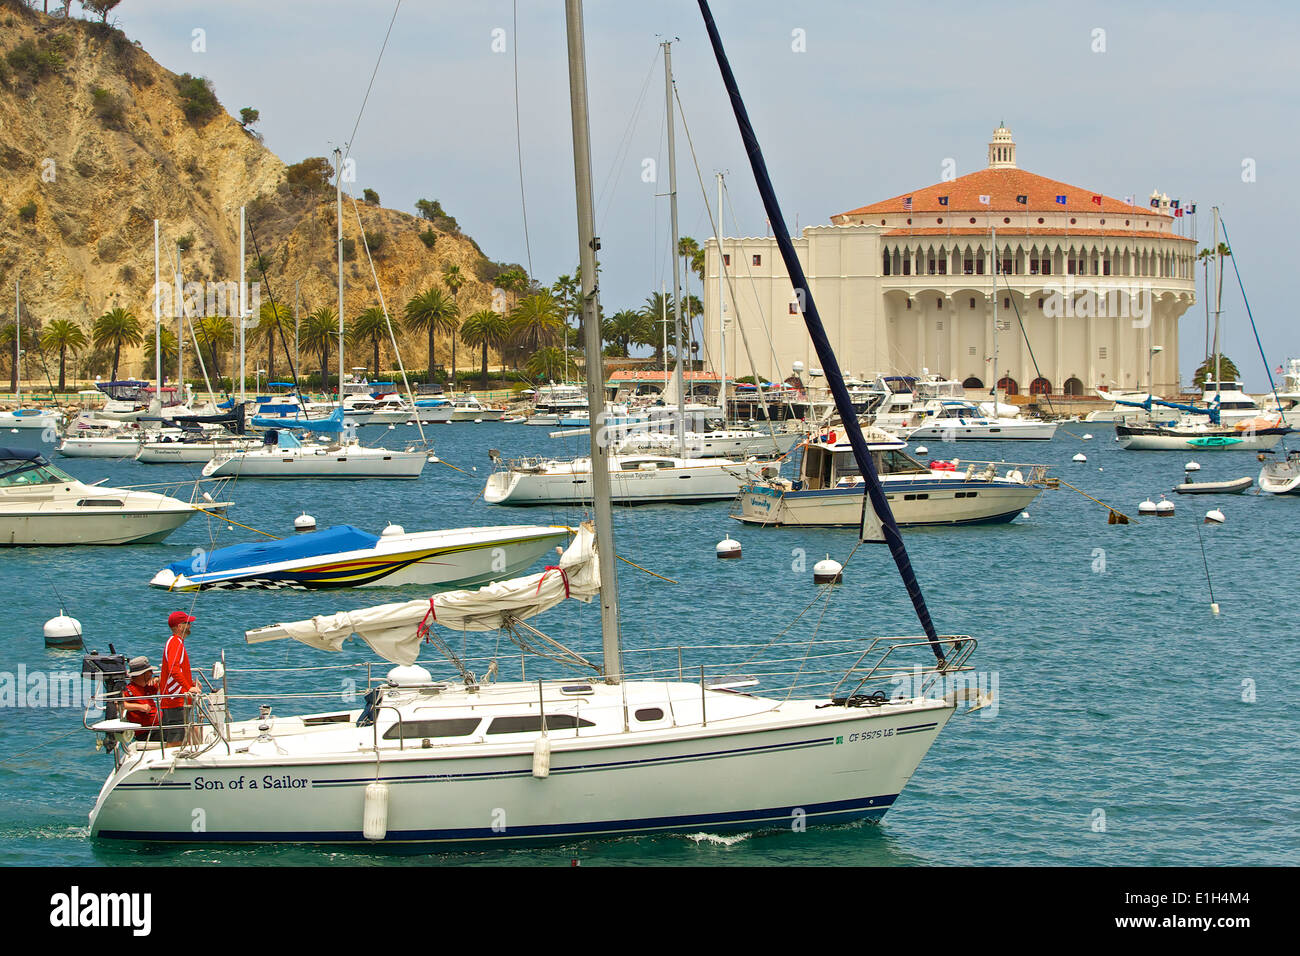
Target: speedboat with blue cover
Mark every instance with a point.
(347, 557)
(830, 487)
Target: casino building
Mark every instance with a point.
(907, 284)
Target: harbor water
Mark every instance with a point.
(1130, 725)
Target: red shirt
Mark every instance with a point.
(143, 718)
(175, 677)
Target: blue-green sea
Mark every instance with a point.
(1131, 726)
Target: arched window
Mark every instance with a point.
(1040, 386)
(1007, 385)
(1073, 386)
(972, 382)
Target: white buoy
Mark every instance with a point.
(1024, 514)
(1215, 517)
(392, 530)
(1147, 507)
(921, 450)
(542, 757)
(728, 549)
(304, 522)
(477, 420)
(1165, 509)
(1191, 466)
(408, 675)
(1214, 608)
(828, 571)
(374, 819)
(1087, 438)
(392, 427)
(1080, 457)
(63, 631)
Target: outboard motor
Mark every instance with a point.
(110, 670)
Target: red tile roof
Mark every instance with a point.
(1002, 186)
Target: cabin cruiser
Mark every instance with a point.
(467, 408)
(960, 420)
(634, 479)
(90, 437)
(347, 557)
(1281, 477)
(41, 418)
(282, 455)
(43, 505)
(829, 489)
(557, 404)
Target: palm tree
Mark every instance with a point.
(430, 311)
(1205, 371)
(545, 362)
(656, 307)
(273, 320)
(63, 334)
(114, 329)
(689, 249)
(168, 340)
(488, 329)
(535, 322)
(453, 280)
(215, 331)
(624, 329)
(371, 325)
(319, 333)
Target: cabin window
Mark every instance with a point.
(758, 260)
(650, 713)
(726, 258)
(451, 727)
(99, 503)
(533, 724)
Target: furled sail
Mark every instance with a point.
(394, 631)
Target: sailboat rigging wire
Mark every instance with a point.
(1204, 559)
(519, 143)
(1012, 299)
(275, 311)
(830, 365)
(365, 99)
(415, 410)
(625, 143)
(1259, 345)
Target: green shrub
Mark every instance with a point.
(428, 237)
(185, 242)
(36, 61)
(313, 174)
(198, 102)
(349, 249)
(108, 107)
(375, 241)
(370, 196)
(27, 213)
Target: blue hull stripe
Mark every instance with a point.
(838, 811)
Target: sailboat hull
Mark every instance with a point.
(801, 765)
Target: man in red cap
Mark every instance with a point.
(175, 681)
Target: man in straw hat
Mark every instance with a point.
(139, 699)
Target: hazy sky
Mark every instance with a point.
(1181, 96)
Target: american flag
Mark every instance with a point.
(907, 204)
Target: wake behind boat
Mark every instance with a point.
(347, 557)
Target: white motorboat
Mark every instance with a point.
(962, 421)
(634, 479)
(1281, 477)
(830, 488)
(347, 557)
(31, 418)
(43, 505)
(282, 455)
(741, 443)
(472, 761)
(467, 408)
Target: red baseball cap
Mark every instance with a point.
(179, 617)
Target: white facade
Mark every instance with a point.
(907, 285)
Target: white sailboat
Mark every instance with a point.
(282, 455)
(428, 761)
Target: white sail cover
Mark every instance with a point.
(873, 529)
(392, 629)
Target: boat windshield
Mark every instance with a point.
(15, 474)
(888, 462)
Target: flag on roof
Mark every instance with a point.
(1060, 200)
(1022, 199)
(1131, 200)
(1155, 202)
(985, 200)
(1178, 213)
(907, 204)
(1097, 200)
(943, 200)
(1191, 209)
(1175, 203)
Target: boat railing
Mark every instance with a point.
(1031, 473)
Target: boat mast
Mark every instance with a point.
(588, 245)
(1218, 301)
(677, 283)
(722, 318)
(18, 345)
(338, 215)
(996, 374)
(243, 304)
(157, 320)
(180, 328)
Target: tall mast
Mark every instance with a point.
(722, 316)
(996, 374)
(1218, 298)
(157, 319)
(677, 284)
(338, 201)
(18, 344)
(243, 304)
(180, 327)
(588, 244)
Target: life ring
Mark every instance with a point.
(831, 438)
